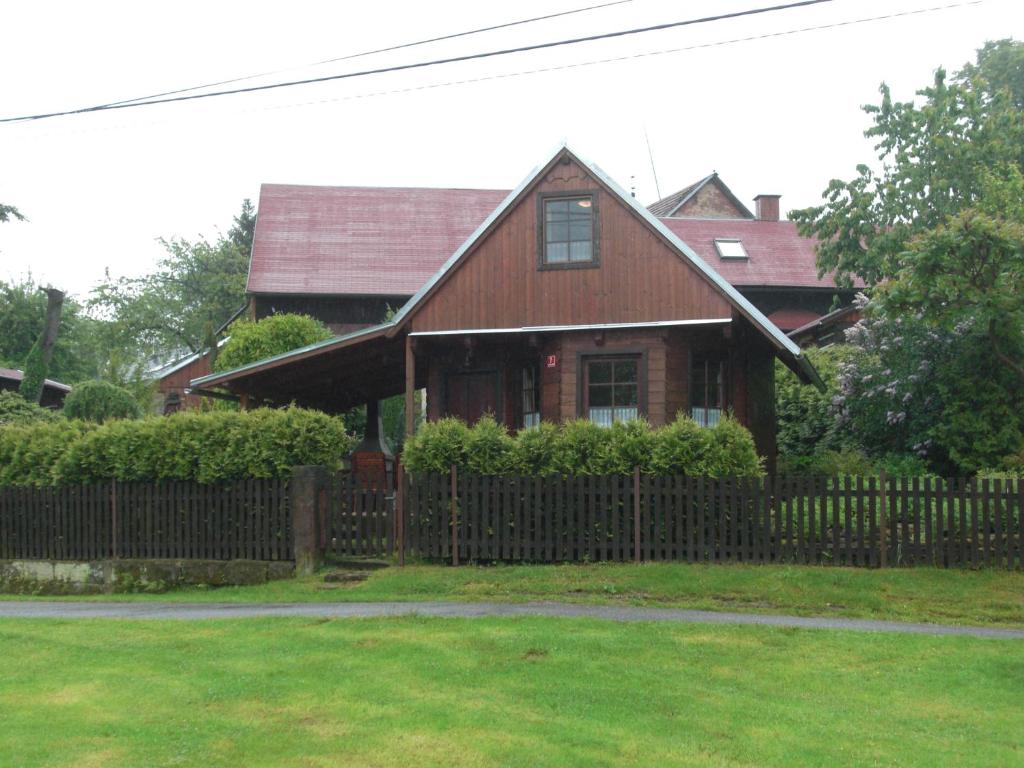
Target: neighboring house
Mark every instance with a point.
(53, 391)
(173, 380)
(569, 299)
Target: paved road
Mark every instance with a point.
(191, 611)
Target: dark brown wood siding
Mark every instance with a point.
(639, 277)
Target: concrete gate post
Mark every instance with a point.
(305, 490)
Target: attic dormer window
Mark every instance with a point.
(568, 230)
(730, 249)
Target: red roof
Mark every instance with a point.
(788, 319)
(360, 240)
(391, 240)
(778, 255)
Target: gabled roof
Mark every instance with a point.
(669, 206)
(789, 351)
(778, 255)
(13, 374)
(754, 315)
(384, 241)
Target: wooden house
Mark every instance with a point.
(570, 299)
(53, 395)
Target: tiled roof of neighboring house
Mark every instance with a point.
(12, 374)
(777, 255)
(667, 205)
(787, 319)
(359, 240)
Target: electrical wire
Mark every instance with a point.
(389, 49)
(421, 65)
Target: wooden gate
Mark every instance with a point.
(359, 517)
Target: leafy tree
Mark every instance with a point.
(935, 161)
(807, 423)
(8, 212)
(22, 315)
(251, 341)
(100, 401)
(938, 233)
(970, 271)
(197, 287)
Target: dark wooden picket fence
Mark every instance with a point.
(841, 521)
(358, 520)
(247, 519)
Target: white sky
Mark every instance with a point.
(779, 115)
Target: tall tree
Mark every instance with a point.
(935, 160)
(8, 212)
(938, 233)
(197, 287)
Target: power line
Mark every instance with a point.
(389, 49)
(628, 57)
(593, 62)
(421, 65)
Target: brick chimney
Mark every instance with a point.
(767, 207)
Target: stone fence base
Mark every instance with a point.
(49, 577)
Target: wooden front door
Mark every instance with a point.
(471, 395)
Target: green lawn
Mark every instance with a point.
(990, 597)
(486, 692)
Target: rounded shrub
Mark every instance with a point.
(680, 448)
(100, 401)
(437, 446)
(274, 335)
(489, 449)
(534, 450)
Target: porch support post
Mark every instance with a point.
(410, 386)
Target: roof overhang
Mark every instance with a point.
(333, 375)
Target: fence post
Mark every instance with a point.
(454, 498)
(883, 528)
(304, 490)
(636, 514)
(113, 520)
(400, 512)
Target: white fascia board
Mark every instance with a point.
(561, 328)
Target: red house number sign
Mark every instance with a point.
(551, 361)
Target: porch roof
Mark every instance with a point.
(333, 375)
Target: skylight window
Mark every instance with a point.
(730, 249)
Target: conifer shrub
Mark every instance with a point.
(582, 448)
(207, 447)
(15, 409)
(100, 401)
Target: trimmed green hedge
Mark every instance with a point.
(582, 448)
(15, 409)
(207, 447)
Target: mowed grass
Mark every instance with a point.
(988, 597)
(500, 692)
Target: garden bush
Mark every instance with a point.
(100, 401)
(582, 448)
(251, 341)
(15, 409)
(207, 447)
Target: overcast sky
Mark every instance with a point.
(775, 115)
